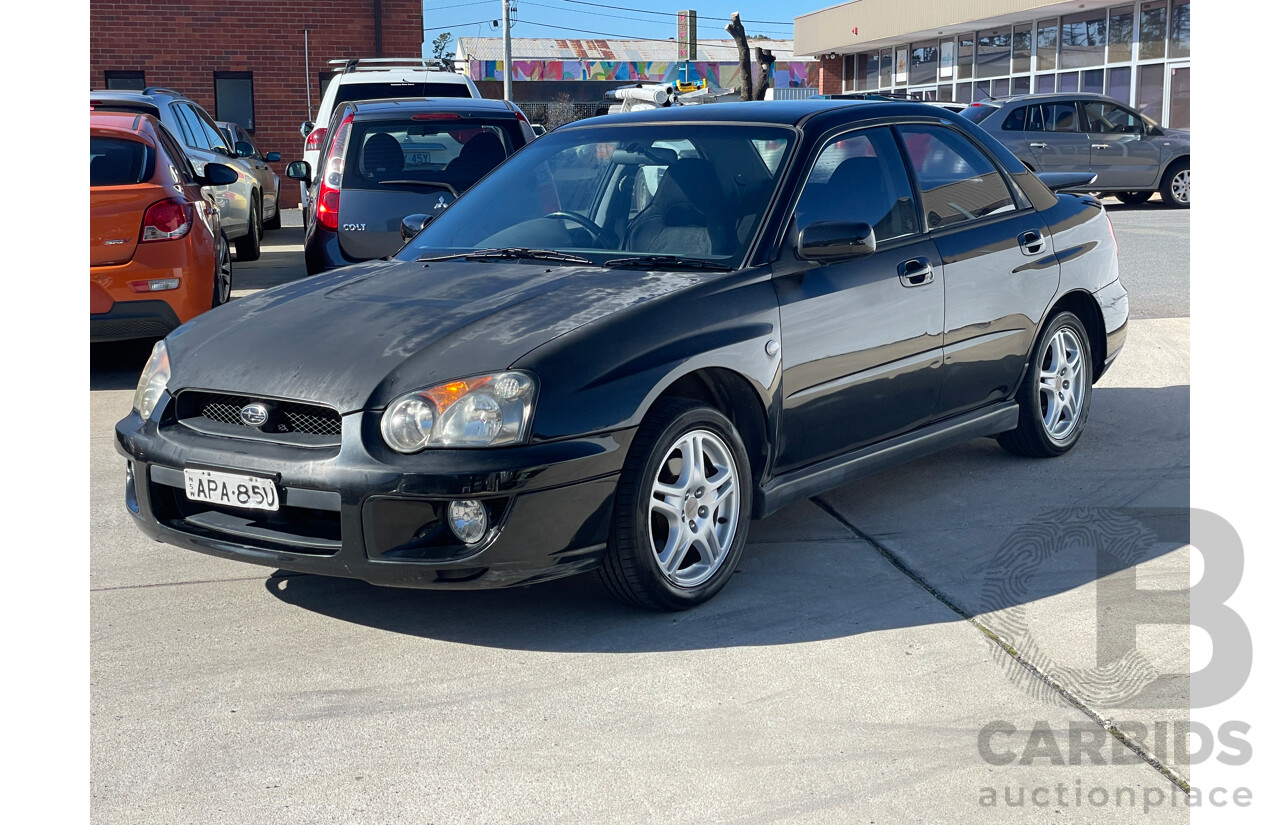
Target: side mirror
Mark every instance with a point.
(244, 149)
(411, 225)
(217, 174)
(307, 127)
(831, 241)
(272, 157)
(297, 170)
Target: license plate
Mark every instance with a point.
(417, 158)
(232, 490)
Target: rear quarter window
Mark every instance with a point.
(977, 114)
(1016, 121)
(119, 161)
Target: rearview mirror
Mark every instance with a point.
(297, 170)
(244, 149)
(217, 174)
(831, 241)
(411, 225)
(272, 157)
(306, 128)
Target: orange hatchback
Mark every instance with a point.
(157, 255)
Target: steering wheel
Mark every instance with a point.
(597, 234)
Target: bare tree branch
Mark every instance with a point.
(739, 35)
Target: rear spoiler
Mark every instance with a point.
(137, 107)
(1057, 181)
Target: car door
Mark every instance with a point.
(1054, 136)
(1121, 150)
(861, 339)
(997, 261)
(205, 144)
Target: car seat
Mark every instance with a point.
(686, 215)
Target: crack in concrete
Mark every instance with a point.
(1053, 684)
(173, 584)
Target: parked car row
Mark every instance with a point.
(625, 342)
(170, 191)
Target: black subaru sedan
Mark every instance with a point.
(633, 337)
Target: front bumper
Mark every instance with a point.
(370, 514)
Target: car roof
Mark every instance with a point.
(774, 112)
(1044, 97)
(410, 105)
(397, 74)
(132, 124)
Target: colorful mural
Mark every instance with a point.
(718, 75)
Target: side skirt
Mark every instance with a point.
(809, 481)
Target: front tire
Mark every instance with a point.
(249, 248)
(1175, 189)
(681, 510)
(1134, 198)
(1053, 401)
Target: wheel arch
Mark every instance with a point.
(1085, 307)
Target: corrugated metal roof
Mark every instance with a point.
(552, 48)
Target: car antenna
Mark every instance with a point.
(984, 91)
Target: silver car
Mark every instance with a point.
(268, 180)
(1132, 155)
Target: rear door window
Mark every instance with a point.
(180, 169)
(1060, 117)
(958, 183)
(424, 155)
(119, 161)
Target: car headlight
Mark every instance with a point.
(152, 382)
(483, 411)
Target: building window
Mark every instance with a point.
(849, 73)
(1151, 30)
(1118, 81)
(1151, 91)
(964, 57)
(1091, 81)
(1180, 29)
(1120, 35)
(886, 70)
(233, 97)
(126, 80)
(1084, 38)
(994, 49)
(924, 63)
(1044, 84)
(1047, 46)
(1022, 85)
(1022, 49)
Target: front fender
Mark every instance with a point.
(606, 375)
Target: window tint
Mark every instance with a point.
(377, 91)
(1110, 118)
(414, 154)
(212, 136)
(188, 126)
(118, 161)
(957, 182)
(860, 178)
(1059, 117)
(1016, 121)
(180, 168)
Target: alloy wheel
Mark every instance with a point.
(1062, 384)
(223, 286)
(1180, 186)
(693, 508)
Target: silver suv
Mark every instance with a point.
(1131, 154)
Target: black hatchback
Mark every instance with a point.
(385, 159)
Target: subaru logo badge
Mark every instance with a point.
(255, 415)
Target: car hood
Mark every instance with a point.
(1180, 135)
(357, 337)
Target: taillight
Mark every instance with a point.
(331, 177)
(436, 116)
(167, 220)
(316, 138)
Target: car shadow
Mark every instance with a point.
(815, 570)
(117, 365)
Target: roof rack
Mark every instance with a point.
(161, 90)
(373, 64)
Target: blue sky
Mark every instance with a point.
(601, 18)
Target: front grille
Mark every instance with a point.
(287, 421)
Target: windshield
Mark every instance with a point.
(609, 193)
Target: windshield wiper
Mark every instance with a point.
(669, 260)
(511, 253)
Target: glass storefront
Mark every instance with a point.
(1138, 53)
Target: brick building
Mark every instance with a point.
(243, 60)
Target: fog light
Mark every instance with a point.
(468, 520)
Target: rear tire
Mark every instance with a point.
(1175, 189)
(1053, 401)
(249, 248)
(1134, 197)
(222, 275)
(681, 510)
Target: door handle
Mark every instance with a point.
(1102, 146)
(1032, 242)
(915, 272)
(1039, 145)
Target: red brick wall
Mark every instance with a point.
(830, 75)
(180, 46)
